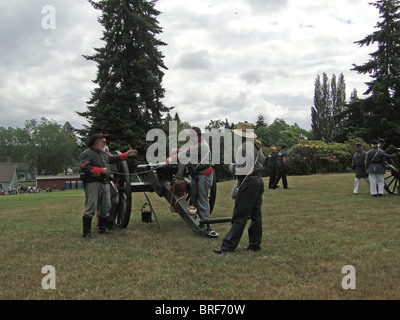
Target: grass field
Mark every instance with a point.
(310, 233)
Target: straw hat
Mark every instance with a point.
(245, 129)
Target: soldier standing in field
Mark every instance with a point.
(358, 166)
(95, 169)
(375, 167)
(271, 162)
(283, 164)
(248, 201)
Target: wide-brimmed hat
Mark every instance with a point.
(245, 129)
(96, 136)
(194, 131)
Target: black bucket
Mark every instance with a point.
(146, 214)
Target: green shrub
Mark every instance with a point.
(311, 157)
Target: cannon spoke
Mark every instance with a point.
(391, 181)
(392, 184)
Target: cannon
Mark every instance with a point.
(168, 181)
(392, 179)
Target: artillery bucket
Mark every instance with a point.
(146, 214)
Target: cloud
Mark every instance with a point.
(46, 74)
(226, 59)
(267, 6)
(195, 60)
(252, 76)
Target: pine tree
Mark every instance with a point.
(383, 104)
(127, 101)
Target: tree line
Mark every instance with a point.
(46, 146)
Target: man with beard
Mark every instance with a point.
(94, 163)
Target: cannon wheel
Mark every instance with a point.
(392, 183)
(213, 190)
(124, 206)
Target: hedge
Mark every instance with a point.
(312, 157)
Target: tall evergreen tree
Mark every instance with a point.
(321, 112)
(383, 104)
(127, 100)
(338, 92)
(329, 104)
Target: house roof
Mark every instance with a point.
(7, 170)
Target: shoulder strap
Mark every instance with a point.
(374, 155)
(250, 171)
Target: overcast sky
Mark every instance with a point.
(231, 59)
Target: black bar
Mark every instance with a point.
(215, 220)
(141, 187)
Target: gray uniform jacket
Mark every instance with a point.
(375, 161)
(253, 162)
(358, 164)
(91, 161)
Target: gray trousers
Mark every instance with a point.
(97, 197)
(199, 188)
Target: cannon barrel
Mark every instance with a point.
(150, 166)
(161, 178)
(214, 220)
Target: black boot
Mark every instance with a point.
(103, 226)
(87, 226)
(110, 222)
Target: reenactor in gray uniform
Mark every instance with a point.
(248, 201)
(376, 169)
(358, 166)
(95, 172)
